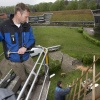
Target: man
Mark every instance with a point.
(60, 94)
(17, 36)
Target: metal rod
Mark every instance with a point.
(43, 83)
(5, 77)
(47, 90)
(23, 89)
(36, 76)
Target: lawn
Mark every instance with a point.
(72, 42)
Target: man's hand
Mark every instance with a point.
(22, 50)
(70, 86)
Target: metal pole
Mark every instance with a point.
(93, 90)
(43, 84)
(26, 82)
(47, 59)
(36, 76)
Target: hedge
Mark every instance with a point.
(88, 37)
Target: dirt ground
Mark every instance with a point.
(84, 68)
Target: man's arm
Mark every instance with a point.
(1, 36)
(65, 91)
(31, 39)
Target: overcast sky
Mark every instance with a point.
(14, 2)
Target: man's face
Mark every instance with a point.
(61, 85)
(23, 17)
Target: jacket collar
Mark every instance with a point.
(12, 23)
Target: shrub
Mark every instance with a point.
(87, 58)
(93, 40)
(80, 30)
(54, 66)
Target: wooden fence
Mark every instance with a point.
(85, 85)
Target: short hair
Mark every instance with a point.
(58, 83)
(21, 7)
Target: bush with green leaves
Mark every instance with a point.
(87, 58)
(54, 66)
(93, 40)
(80, 29)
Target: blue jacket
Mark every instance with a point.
(60, 94)
(14, 38)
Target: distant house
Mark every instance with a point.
(96, 14)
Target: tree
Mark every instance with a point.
(83, 4)
(92, 4)
(65, 2)
(73, 5)
(58, 5)
(42, 7)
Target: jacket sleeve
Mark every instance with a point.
(64, 91)
(31, 41)
(1, 36)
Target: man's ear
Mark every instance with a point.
(19, 13)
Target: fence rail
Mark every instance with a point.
(38, 67)
(72, 23)
(81, 88)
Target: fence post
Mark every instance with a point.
(80, 86)
(93, 89)
(75, 90)
(85, 88)
(70, 96)
(69, 93)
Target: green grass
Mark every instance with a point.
(67, 80)
(72, 15)
(69, 15)
(72, 42)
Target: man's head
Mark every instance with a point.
(21, 12)
(59, 83)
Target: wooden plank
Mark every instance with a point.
(93, 90)
(80, 86)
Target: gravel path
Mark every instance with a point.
(90, 31)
